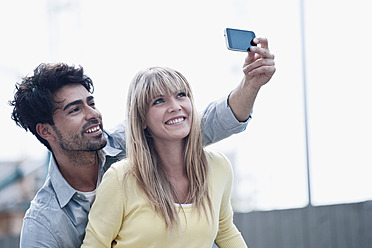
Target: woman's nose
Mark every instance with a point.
(174, 105)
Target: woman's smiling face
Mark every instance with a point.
(169, 117)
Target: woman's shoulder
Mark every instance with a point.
(118, 170)
(119, 174)
(214, 155)
(120, 165)
(218, 160)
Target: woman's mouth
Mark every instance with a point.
(175, 121)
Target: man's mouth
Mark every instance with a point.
(175, 121)
(93, 129)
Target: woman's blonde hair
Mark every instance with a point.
(143, 159)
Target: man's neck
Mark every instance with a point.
(80, 169)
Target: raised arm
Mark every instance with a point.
(228, 116)
(258, 68)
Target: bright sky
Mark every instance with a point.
(115, 39)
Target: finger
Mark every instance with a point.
(267, 70)
(258, 64)
(263, 52)
(250, 58)
(262, 41)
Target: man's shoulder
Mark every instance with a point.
(116, 147)
(115, 134)
(47, 222)
(45, 203)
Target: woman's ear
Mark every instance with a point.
(44, 131)
(144, 125)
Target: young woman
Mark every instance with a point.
(169, 192)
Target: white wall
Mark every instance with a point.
(114, 39)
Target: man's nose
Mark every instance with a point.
(92, 113)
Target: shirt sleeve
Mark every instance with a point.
(106, 215)
(31, 234)
(218, 122)
(116, 141)
(228, 235)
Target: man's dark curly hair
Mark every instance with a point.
(34, 96)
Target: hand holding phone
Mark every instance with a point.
(239, 40)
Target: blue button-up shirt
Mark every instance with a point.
(58, 214)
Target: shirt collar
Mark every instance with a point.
(64, 192)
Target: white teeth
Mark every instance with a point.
(92, 130)
(175, 121)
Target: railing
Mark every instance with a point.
(333, 226)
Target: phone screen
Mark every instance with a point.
(239, 40)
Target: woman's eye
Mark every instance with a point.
(160, 100)
(182, 94)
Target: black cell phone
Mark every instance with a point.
(239, 40)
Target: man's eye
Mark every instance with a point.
(92, 104)
(74, 110)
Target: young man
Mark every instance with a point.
(56, 104)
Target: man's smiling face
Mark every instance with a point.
(77, 122)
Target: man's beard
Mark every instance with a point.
(78, 142)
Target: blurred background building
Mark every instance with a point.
(302, 167)
(19, 181)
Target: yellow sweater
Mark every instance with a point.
(122, 213)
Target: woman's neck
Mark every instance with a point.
(171, 155)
